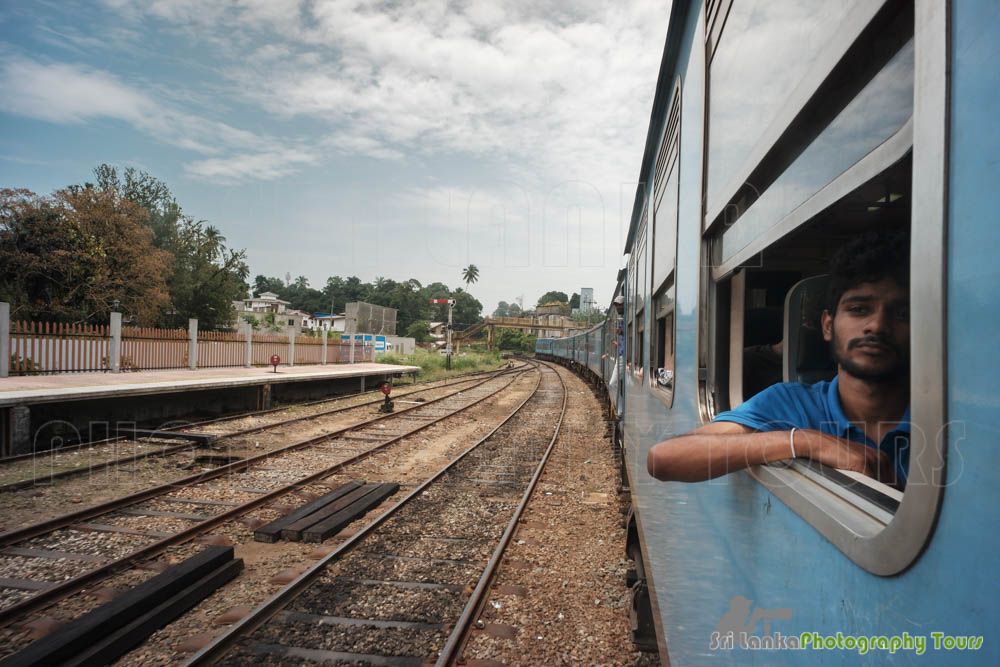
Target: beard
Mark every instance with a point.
(900, 368)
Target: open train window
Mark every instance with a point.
(639, 324)
(664, 255)
(876, 160)
(662, 341)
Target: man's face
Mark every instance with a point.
(869, 334)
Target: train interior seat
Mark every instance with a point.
(806, 356)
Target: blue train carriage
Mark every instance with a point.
(781, 129)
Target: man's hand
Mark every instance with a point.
(845, 454)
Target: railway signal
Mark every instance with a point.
(451, 304)
(386, 389)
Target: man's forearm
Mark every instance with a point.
(696, 457)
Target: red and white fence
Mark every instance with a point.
(45, 348)
(266, 345)
(148, 349)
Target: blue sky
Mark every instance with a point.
(337, 137)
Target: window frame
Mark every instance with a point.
(666, 174)
(639, 282)
(851, 31)
(881, 542)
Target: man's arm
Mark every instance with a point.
(720, 448)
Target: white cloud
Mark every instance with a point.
(67, 93)
(264, 166)
(63, 93)
(560, 87)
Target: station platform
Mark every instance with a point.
(39, 412)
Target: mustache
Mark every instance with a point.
(873, 340)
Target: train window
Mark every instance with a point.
(664, 255)
(638, 350)
(876, 162)
(881, 111)
(760, 91)
(662, 342)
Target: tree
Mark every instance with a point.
(467, 310)
(70, 256)
(513, 310)
(263, 284)
(501, 310)
(519, 341)
(574, 301)
(148, 192)
(207, 278)
(419, 331)
(470, 274)
(551, 296)
(436, 290)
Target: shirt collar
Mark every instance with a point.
(837, 412)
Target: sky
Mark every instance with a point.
(338, 137)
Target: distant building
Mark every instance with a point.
(552, 308)
(327, 322)
(259, 307)
(368, 318)
(267, 302)
(299, 320)
(587, 299)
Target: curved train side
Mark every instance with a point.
(883, 120)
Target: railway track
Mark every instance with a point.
(43, 564)
(147, 448)
(409, 588)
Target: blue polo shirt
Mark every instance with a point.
(817, 406)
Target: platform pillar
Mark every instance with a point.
(20, 430)
(115, 347)
(193, 344)
(4, 339)
(324, 347)
(291, 347)
(264, 397)
(248, 345)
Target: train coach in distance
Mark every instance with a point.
(858, 421)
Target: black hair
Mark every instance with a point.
(869, 258)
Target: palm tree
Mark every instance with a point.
(470, 274)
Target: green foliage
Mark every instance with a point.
(470, 274)
(419, 331)
(467, 310)
(70, 256)
(502, 309)
(206, 279)
(205, 276)
(432, 364)
(574, 301)
(516, 341)
(552, 296)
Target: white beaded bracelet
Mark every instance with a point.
(791, 441)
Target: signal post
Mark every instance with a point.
(451, 304)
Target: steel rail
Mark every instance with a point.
(267, 609)
(242, 415)
(473, 608)
(70, 586)
(167, 451)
